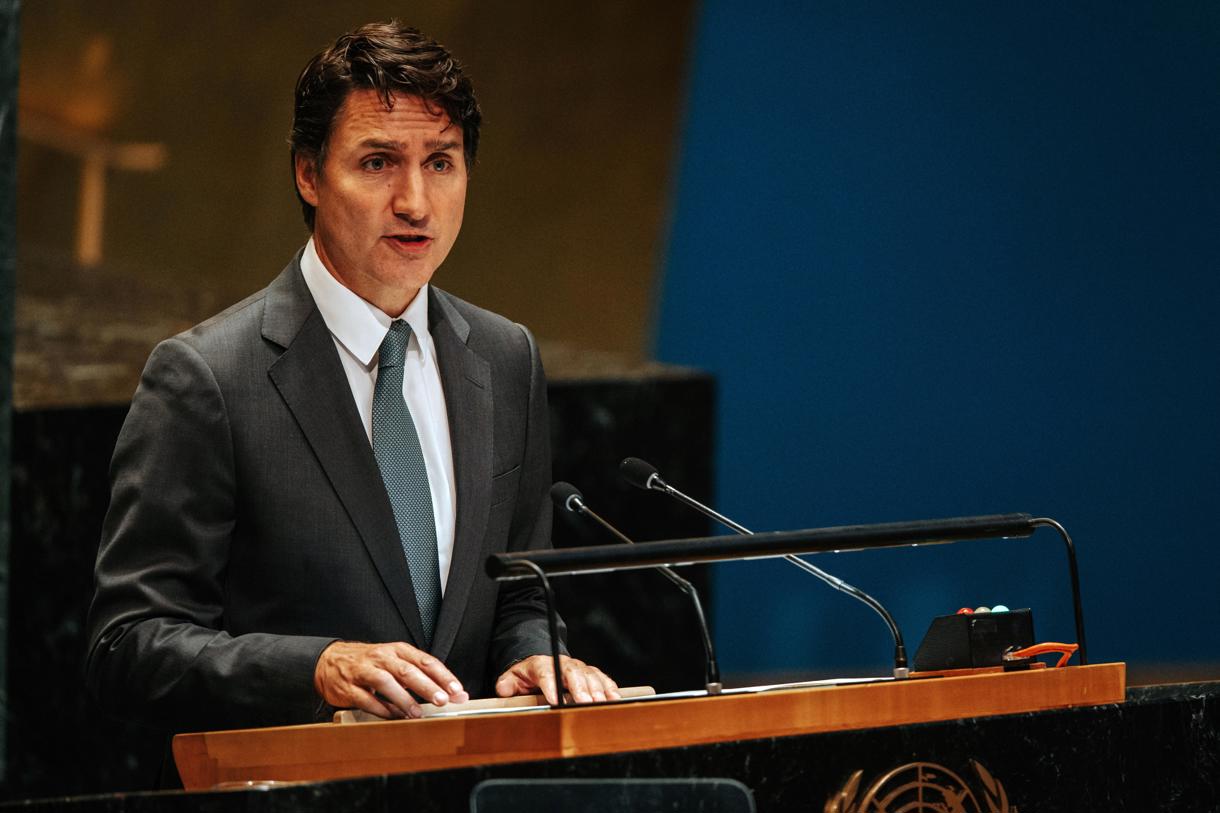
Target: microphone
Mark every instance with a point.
(568, 498)
(642, 474)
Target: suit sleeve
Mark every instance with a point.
(521, 628)
(158, 650)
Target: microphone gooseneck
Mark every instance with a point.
(567, 497)
(642, 474)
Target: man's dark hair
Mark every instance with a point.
(390, 58)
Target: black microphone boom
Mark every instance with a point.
(769, 544)
(568, 498)
(643, 474)
(525, 564)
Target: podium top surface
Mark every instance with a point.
(334, 751)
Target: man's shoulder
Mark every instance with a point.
(276, 311)
(221, 335)
(240, 316)
(480, 323)
(235, 341)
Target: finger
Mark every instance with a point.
(505, 686)
(436, 671)
(445, 680)
(412, 677)
(391, 692)
(598, 678)
(511, 683)
(365, 701)
(574, 679)
(543, 676)
(612, 692)
(593, 677)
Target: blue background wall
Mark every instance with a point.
(953, 259)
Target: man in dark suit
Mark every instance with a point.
(307, 484)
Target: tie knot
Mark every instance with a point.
(394, 346)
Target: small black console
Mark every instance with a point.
(969, 640)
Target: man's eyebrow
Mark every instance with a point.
(389, 145)
(379, 144)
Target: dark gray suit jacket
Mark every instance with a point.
(249, 527)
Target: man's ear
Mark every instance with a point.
(307, 178)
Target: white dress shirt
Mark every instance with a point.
(358, 329)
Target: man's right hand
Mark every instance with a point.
(379, 678)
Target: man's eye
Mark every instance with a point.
(440, 164)
(375, 164)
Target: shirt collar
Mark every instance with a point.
(359, 326)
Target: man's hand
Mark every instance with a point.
(585, 683)
(379, 679)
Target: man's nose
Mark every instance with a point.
(410, 197)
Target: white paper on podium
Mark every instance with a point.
(458, 711)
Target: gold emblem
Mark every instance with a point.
(922, 787)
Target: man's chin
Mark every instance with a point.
(394, 288)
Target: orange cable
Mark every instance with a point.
(1065, 650)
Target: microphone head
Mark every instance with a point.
(639, 473)
(567, 497)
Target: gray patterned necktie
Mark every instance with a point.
(401, 460)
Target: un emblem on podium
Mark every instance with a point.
(923, 787)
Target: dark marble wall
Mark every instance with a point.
(636, 626)
(60, 491)
(9, 52)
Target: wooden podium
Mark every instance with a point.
(334, 751)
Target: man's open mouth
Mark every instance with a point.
(409, 239)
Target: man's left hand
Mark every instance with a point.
(586, 684)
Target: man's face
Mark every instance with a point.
(389, 196)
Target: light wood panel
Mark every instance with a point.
(332, 751)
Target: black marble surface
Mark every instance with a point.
(60, 492)
(9, 59)
(636, 625)
(1159, 751)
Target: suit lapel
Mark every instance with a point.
(310, 379)
(466, 379)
